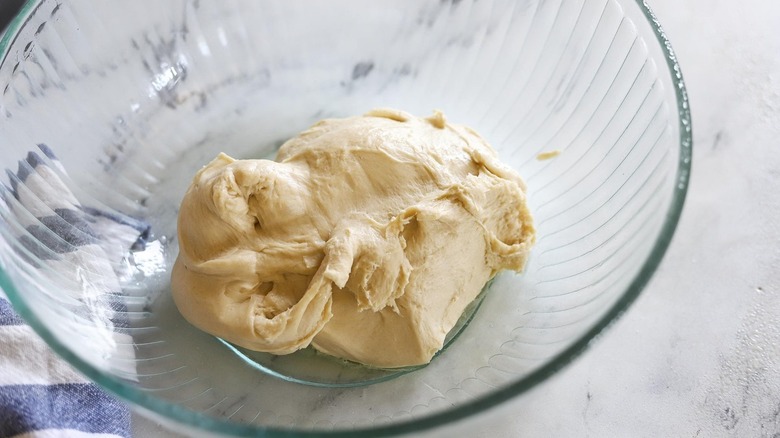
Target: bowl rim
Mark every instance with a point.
(139, 399)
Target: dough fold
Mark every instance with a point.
(366, 238)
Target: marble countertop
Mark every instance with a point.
(698, 354)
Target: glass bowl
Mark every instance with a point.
(107, 110)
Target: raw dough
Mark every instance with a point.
(366, 238)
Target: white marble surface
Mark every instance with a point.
(699, 353)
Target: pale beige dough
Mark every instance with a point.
(366, 238)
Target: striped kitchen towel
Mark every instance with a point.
(40, 394)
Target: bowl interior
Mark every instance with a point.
(115, 108)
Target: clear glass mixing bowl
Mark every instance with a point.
(133, 97)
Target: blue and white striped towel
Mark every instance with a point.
(40, 394)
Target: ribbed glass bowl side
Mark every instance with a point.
(133, 104)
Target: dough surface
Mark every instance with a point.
(366, 238)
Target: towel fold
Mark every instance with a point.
(40, 394)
